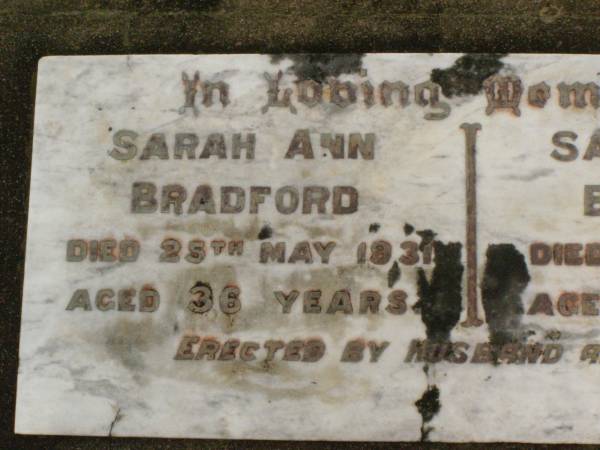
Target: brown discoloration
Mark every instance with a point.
(207, 91)
(328, 280)
(190, 88)
(314, 231)
(471, 238)
(237, 375)
(538, 94)
(576, 93)
(217, 277)
(503, 92)
(273, 93)
(432, 99)
(387, 88)
(127, 339)
(206, 226)
(132, 340)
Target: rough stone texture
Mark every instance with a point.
(35, 28)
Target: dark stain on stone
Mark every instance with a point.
(118, 416)
(504, 280)
(408, 229)
(466, 75)
(374, 228)
(265, 232)
(394, 274)
(427, 237)
(428, 406)
(440, 299)
(553, 335)
(127, 340)
(319, 66)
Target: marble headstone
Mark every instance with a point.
(371, 247)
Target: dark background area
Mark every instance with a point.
(31, 29)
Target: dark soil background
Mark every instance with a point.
(31, 29)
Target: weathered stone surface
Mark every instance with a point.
(339, 251)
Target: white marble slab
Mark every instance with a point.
(86, 371)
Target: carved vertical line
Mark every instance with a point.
(471, 130)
